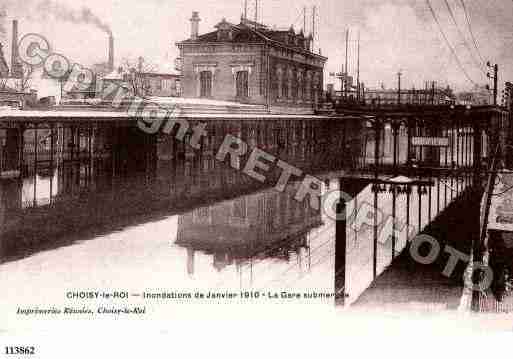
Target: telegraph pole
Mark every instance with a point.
(314, 14)
(304, 20)
(256, 13)
(345, 71)
(495, 80)
(358, 71)
(432, 92)
(399, 74)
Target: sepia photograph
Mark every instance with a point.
(204, 173)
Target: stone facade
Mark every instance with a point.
(251, 63)
(161, 85)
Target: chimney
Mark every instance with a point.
(16, 69)
(195, 20)
(111, 53)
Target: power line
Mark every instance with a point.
(463, 37)
(449, 44)
(470, 30)
(299, 17)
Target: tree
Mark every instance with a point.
(134, 75)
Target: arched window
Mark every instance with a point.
(290, 81)
(308, 85)
(279, 82)
(300, 85)
(285, 85)
(294, 84)
(242, 84)
(316, 86)
(205, 84)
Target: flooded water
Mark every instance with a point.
(150, 224)
(73, 230)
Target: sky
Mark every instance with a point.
(396, 35)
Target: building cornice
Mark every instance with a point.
(262, 43)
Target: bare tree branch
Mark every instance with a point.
(134, 71)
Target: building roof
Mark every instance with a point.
(250, 32)
(113, 75)
(158, 74)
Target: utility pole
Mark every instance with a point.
(399, 74)
(495, 80)
(256, 13)
(304, 20)
(314, 14)
(245, 9)
(358, 71)
(345, 73)
(432, 92)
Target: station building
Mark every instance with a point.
(252, 63)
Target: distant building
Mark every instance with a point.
(100, 71)
(12, 98)
(428, 96)
(160, 84)
(252, 63)
(78, 93)
(479, 96)
(145, 83)
(115, 77)
(15, 89)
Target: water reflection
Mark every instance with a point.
(261, 240)
(240, 232)
(369, 253)
(257, 239)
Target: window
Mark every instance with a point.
(205, 84)
(178, 87)
(242, 84)
(166, 84)
(294, 85)
(285, 86)
(279, 83)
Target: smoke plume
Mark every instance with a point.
(64, 13)
(48, 9)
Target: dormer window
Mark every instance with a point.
(224, 35)
(224, 31)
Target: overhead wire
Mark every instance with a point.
(451, 48)
(467, 17)
(465, 43)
